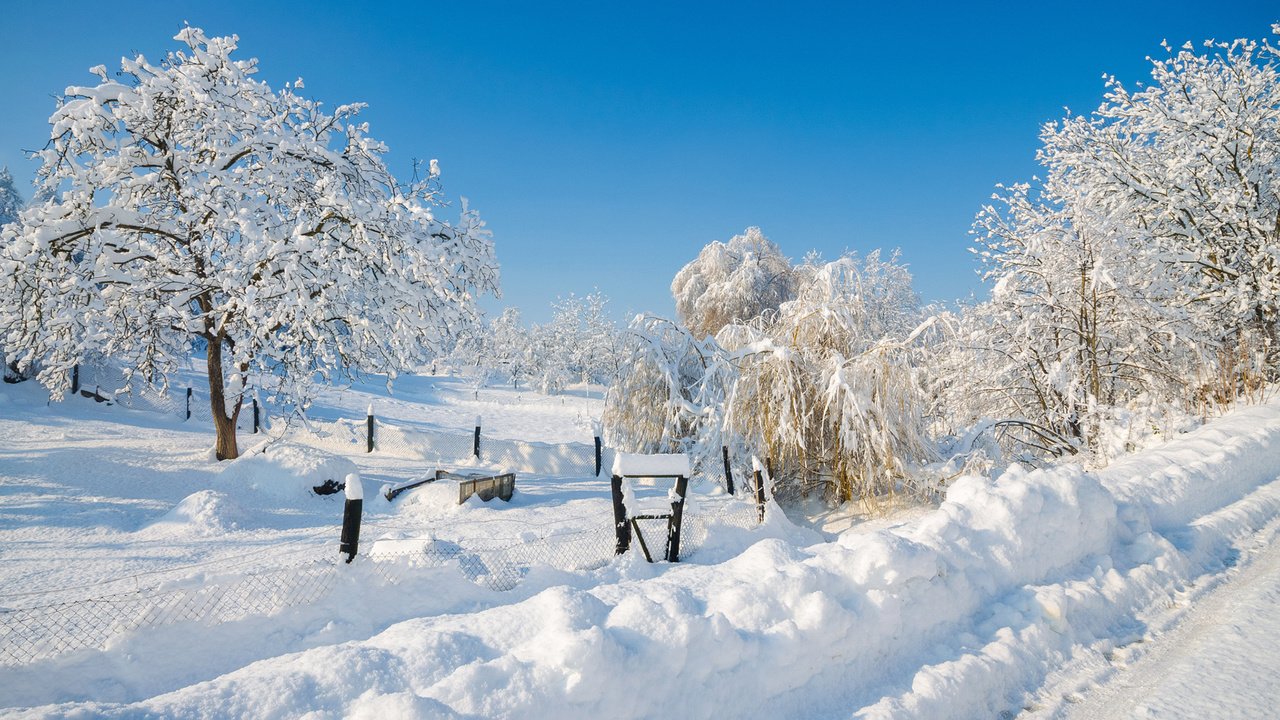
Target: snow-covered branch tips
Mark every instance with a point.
(190, 205)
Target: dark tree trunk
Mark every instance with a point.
(224, 425)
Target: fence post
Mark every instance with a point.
(621, 529)
(75, 378)
(599, 455)
(475, 445)
(188, 403)
(349, 543)
(255, 416)
(368, 432)
(759, 477)
(677, 517)
(728, 473)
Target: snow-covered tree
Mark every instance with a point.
(732, 283)
(1189, 164)
(656, 403)
(1081, 318)
(581, 343)
(189, 203)
(10, 199)
(829, 387)
(10, 204)
(1146, 266)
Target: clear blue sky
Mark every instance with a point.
(605, 143)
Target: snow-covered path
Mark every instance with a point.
(1220, 660)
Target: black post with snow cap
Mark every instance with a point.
(475, 443)
(256, 417)
(760, 476)
(351, 512)
(621, 528)
(368, 432)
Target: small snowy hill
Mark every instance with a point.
(1013, 596)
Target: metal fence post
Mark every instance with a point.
(349, 543)
(599, 455)
(368, 433)
(255, 416)
(475, 445)
(75, 378)
(188, 403)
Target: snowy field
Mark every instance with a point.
(1054, 593)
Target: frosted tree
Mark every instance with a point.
(656, 403)
(1146, 266)
(829, 387)
(189, 203)
(10, 200)
(510, 348)
(1190, 164)
(732, 283)
(10, 204)
(1081, 318)
(581, 342)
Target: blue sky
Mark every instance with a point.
(606, 143)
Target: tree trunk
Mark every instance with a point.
(224, 426)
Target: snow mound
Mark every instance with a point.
(207, 512)
(285, 471)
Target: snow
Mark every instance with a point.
(1023, 592)
(655, 465)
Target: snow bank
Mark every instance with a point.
(961, 612)
(207, 512)
(284, 472)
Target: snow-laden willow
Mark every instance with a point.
(828, 386)
(187, 204)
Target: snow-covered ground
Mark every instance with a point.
(1028, 593)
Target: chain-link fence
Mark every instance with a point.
(40, 625)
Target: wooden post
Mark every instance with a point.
(368, 432)
(475, 444)
(728, 473)
(188, 403)
(349, 543)
(677, 517)
(599, 455)
(621, 529)
(256, 417)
